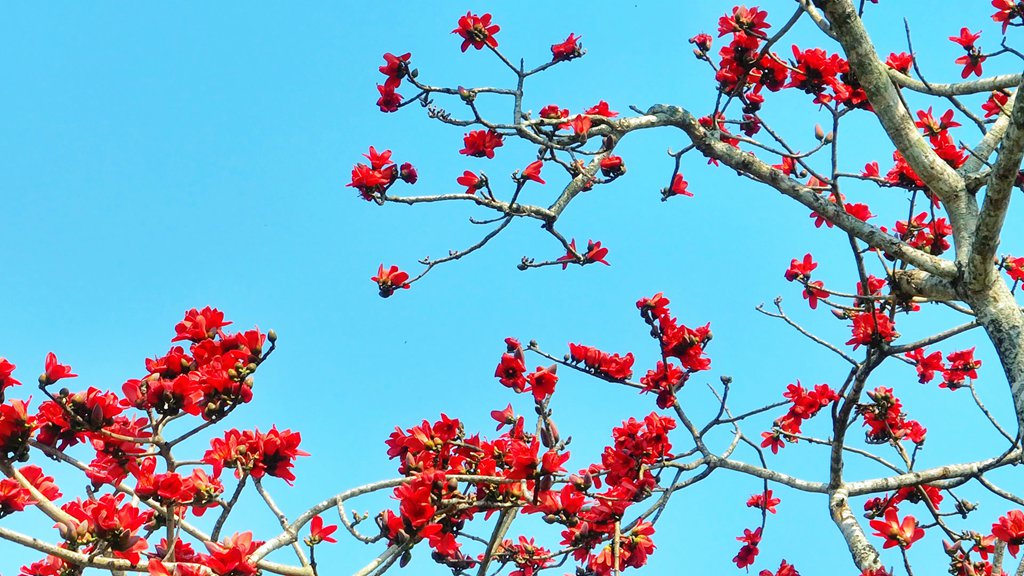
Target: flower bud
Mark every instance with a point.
(819, 132)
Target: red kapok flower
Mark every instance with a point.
(896, 533)
(471, 181)
(764, 501)
(566, 50)
(54, 370)
(6, 380)
(1010, 529)
(389, 100)
(612, 166)
(801, 269)
(319, 533)
(601, 109)
(678, 188)
(395, 68)
(390, 280)
(532, 172)
(480, 143)
(477, 31)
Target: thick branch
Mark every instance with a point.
(873, 76)
(979, 86)
(751, 166)
(997, 200)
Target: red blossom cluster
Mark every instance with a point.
(926, 235)
(886, 421)
(800, 271)
(804, 405)
(962, 365)
(395, 68)
(972, 60)
(677, 341)
(872, 329)
(611, 366)
(14, 497)
(256, 453)
(207, 381)
(373, 180)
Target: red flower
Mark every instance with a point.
(390, 280)
(408, 173)
(200, 324)
(763, 501)
(896, 533)
(612, 166)
(395, 68)
(601, 109)
(745, 557)
(678, 187)
(580, 124)
(319, 533)
(477, 31)
(971, 63)
(744, 21)
(773, 440)
(389, 100)
(1010, 529)
(962, 365)
(504, 417)
(54, 370)
(872, 329)
(480, 143)
(813, 291)
(471, 181)
(553, 112)
(801, 270)
(973, 59)
(594, 253)
(532, 172)
(566, 50)
(6, 380)
(1014, 268)
(510, 371)
(785, 569)
(900, 62)
(542, 382)
(926, 365)
(966, 39)
(933, 128)
(702, 41)
(1007, 11)
(995, 104)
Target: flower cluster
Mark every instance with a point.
(395, 68)
(800, 271)
(926, 235)
(885, 419)
(373, 180)
(256, 453)
(677, 341)
(604, 364)
(14, 497)
(872, 329)
(804, 405)
(972, 60)
(962, 365)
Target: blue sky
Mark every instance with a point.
(156, 159)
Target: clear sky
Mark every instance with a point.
(154, 159)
